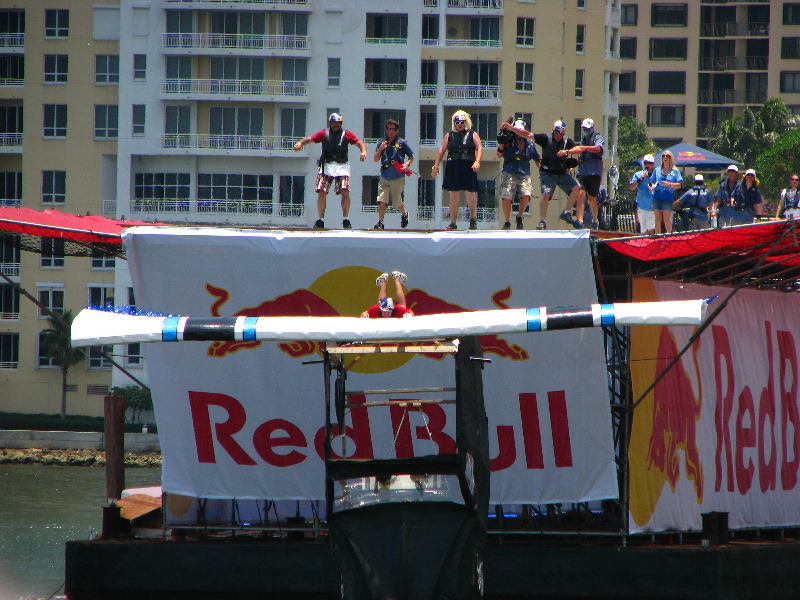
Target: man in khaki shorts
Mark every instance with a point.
(395, 156)
(515, 180)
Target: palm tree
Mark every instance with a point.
(57, 345)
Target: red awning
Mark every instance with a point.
(54, 224)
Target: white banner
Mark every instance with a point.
(721, 430)
(245, 419)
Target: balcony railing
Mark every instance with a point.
(734, 29)
(474, 4)
(10, 139)
(243, 41)
(12, 40)
(484, 213)
(219, 207)
(451, 43)
(427, 91)
(10, 202)
(734, 63)
(8, 364)
(160, 205)
(11, 269)
(234, 87)
(9, 316)
(8, 82)
(109, 207)
(248, 1)
(472, 92)
(385, 87)
(227, 142)
(731, 96)
(386, 40)
(242, 207)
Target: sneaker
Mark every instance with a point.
(473, 223)
(506, 225)
(596, 225)
(451, 227)
(566, 216)
(378, 225)
(320, 224)
(578, 224)
(404, 220)
(382, 278)
(542, 224)
(399, 275)
(519, 223)
(346, 224)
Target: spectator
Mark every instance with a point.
(590, 169)
(789, 204)
(664, 181)
(738, 202)
(517, 154)
(387, 307)
(728, 196)
(334, 167)
(395, 157)
(693, 206)
(644, 196)
(464, 153)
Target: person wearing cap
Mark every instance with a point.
(388, 307)
(464, 152)
(753, 201)
(694, 205)
(664, 181)
(553, 168)
(395, 156)
(515, 178)
(789, 204)
(334, 167)
(590, 169)
(640, 181)
(728, 196)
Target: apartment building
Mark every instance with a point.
(186, 111)
(687, 66)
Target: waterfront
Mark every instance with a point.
(41, 507)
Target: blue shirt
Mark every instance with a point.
(394, 152)
(697, 200)
(591, 163)
(665, 192)
(518, 161)
(644, 196)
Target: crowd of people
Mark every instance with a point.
(737, 200)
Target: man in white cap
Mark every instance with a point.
(590, 169)
(728, 197)
(515, 178)
(694, 206)
(644, 196)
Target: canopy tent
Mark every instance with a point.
(689, 155)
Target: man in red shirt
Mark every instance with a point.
(386, 307)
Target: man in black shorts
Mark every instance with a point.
(590, 169)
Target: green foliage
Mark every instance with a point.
(57, 345)
(632, 144)
(46, 422)
(776, 163)
(137, 399)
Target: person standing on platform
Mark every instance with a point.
(664, 181)
(590, 170)
(464, 153)
(640, 181)
(517, 154)
(334, 167)
(789, 204)
(395, 157)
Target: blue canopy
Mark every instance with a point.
(689, 155)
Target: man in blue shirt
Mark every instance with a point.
(694, 205)
(590, 168)
(644, 196)
(395, 156)
(516, 175)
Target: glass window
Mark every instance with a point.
(106, 121)
(10, 188)
(291, 195)
(790, 82)
(52, 253)
(627, 48)
(485, 124)
(54, 187)
(666, 116)
(524, 78)
(668, 48)
(161, 192)
(627, 110)
(56, 23)
(102, 260)
(139, 66)
(12, 69)
(579, 82)
(101, 296)
(526, 32)
(137, 119)
(43, 361)
(430, 30)
(334, 72)
(9, 350)
(55, 68)
(790, 47)
(293, 123)
(669, 15)
(667, 82)
(97, 358)
(629, 14)
(55, 121)
(427, 126)
(627, 82)
(580, 39)
(106, 68)
(12, 21)
(9, 301)
(53, 299)
(791, 13)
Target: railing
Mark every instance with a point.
(10, 139)
(385, 87)
(734, 29)
(245, 41)
(475, 4)
(430, 41)
(9, 316)
(734, 63)
(234, 86)
(10, 202)
(484, 213)
(425, 213)
(160, 205)
(248, 1)
(8, 82)
(12, 40)
(385, 40)
(11, 269)
(428, 91)
(472, 43)
(472, 92)
(291, 210)
(227, 142)
(109, 207)
(243, 207)
(611, 55)
(731, 96)
(8, 364)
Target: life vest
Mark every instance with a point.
(791, 199)
(588, 140)
(460, 148)
(393, 153)
(334, 147)
(550, 160)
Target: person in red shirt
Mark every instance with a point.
(387, 307)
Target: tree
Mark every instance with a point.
(57, 345)
(633, 143)
(776, 163)
(137, 399)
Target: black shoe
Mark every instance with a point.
(542, 224)
(506, 225)
(320, 224)
(473, 223)
(404, 220)
(378, 225)
(451, 227)
(519, 223)
(346, 224)
(566, 216)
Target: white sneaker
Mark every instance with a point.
(384, 277)
(399, 275)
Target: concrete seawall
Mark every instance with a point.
(74, 440)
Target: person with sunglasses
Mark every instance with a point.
(464, 152)
(395, 156)
(515, 178)
(640, 181)
(664, 181)
(789, 204)
(738, 202)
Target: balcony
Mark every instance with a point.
(453, 43)
(472, 92)
(244, 1)
(385, 40)
(217, 207)
(214, 141)
(12, 40)
(734, 63)
(241, 41)
(234, 87)
(8, 82)
(385, 87)
(731, 96)
(9, 316)
(734, 30)
(11, 142)
(473, 4)
(11, 269)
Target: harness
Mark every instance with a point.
(732, 197)
(392, 153)
(460, 149)
(334, 150)
(590, 141)
(695, 198)
(791, 199)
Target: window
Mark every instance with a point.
(485, 124)
(51, 298)
(666, 116)
(239, 121)
(667, 82)
(429, 72)
(387, 27)
(181, 21)
(426, 198)
(9, 301)
(56, 23)
(627, 110)
(12, 22)
(140, 66)
(385, 74)
(106, 68)
(526, 32)
(668, 15)
(55, 121)
(790, 47)
(133, 356)
(485, 29)
(294, 69)
(427, 126)
(790, 82)
(524, 78)
(245, 193)
(668, 48)
(101, 259)
(55, 68)
(12, 69)
(9, 350)
(101, 296)
(43, 361)
(579, 82)
(52, 253)
(179, 67)
(161, 192)
(97, 360)
(629, 15)
(54, 187)
(106, 121)
(627, 82)
(430, 30)
(10, 188)
(293, 123)
(581, 4)
(791, 13)
(291, 195)
(177, 119)
(137, 119)
(627, 48)
(334, 72)
(580, 39)
(10, 254)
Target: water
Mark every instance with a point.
(41, 507)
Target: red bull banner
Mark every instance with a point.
(244, 419)
(721, 429)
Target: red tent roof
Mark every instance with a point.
(55, 224)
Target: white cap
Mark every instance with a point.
(520, 124)
(649, 158)
(750, 172)
(560, 126)
(699, 178)
(733, 168)
(587, 124)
